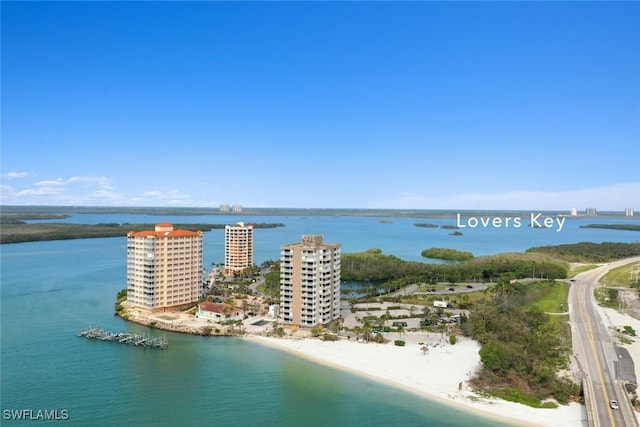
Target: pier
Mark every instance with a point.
(125, 338)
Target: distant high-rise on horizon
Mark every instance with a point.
(591, 212)
(628, 212)
(224, 208)
(574, 212)
(238, 248)
(309, 282)
(164, 267)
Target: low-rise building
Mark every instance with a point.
(218, 312)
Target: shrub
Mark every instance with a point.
(329, 337)
(399, 343)
(452, 339)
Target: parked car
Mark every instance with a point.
(469, 286)
(451, 289)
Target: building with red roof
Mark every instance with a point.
(218, 312)
(164, 267)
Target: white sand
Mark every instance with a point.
(436, 375)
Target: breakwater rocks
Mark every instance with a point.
(178, 322)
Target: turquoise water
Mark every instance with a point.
(50, 290)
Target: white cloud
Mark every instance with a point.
(77, 190)
(612, 197)
(50, 183)
(172, 197)
(15, 175)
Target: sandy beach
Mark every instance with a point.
(439, 374)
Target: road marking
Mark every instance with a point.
(592, 343)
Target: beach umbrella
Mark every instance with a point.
(424, 350)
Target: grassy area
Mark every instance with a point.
(625, 276)
(607, 297)
(581, 269)
(551, 297)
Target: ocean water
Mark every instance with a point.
(51, 290)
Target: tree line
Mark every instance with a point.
(522, 348)
(373, 266)
(589, 251)
(17, 231)
(447, 254)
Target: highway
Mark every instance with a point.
(595, 352)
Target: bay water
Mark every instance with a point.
(51, 290)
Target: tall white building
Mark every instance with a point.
(310, 282)
(164, 267)
(628, 212)
(238, 248)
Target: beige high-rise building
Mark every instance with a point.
(238, 248)
(164, 267)
(310, 282)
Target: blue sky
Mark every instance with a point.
(408, 105)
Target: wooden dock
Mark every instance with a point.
(125, 338)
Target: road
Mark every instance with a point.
(595, 352)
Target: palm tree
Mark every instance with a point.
(366, 331)
(278, 330)
(357, 330)
(400, 331)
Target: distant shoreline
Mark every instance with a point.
(22, 232)
(251, 211)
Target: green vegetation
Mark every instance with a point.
(20, 218)
(607, 297)
(272, 281)
(590, 252)
(629, 331)
(550, 297)
(581, 269)
(399, 343)
(449, 227)
(393, 273)
(522, 347)
(22, 232)
(120, 298)
(452, 339)
(426, 225)
(626, 276)
(447, 254)
(628, 227)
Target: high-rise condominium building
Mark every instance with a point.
(238, 248)
(628, 212)
(310, 282)
(164, 267)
